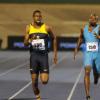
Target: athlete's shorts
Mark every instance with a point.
(92, 59)
(98, 62)
(39, 63)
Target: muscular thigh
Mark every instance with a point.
(43, 63)
(33, 63)
(88, 60)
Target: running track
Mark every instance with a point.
(66, 78)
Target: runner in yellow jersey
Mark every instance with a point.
(37, 36)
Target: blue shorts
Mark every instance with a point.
(92, 59)
(98, 62)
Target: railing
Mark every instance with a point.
(52, 1)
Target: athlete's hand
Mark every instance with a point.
(75, 52)
(31, 39)
(97, 36)
(55, 59)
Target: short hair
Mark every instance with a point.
(94, 15)
(36, 11)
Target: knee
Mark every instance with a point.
(44, 78)
(44, 82)
(87, 71)
(87, 74)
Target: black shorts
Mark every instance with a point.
(39, 62)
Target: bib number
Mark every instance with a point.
(92, 46)
(38, 44)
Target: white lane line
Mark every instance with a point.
(21, 90)
(27, 85)
(13, 69)
(74, 86)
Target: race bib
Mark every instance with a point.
(38, 44)
(92, 46)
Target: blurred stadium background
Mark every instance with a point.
(66, 78)
(65, 16)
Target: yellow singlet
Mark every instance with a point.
(41, 30)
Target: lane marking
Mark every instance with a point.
(21, 90)
(27, 85)
(13, 69)
(74, 86)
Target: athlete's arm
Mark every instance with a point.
(99, 33)
(79, 42)
(26, 37)
(97, 36)
(53, 36)
(80, 39)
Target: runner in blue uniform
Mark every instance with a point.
(90, 34)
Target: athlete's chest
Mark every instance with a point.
(36, 30)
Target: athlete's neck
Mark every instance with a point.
(93, 25)
(37, 25)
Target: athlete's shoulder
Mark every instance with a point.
(48, 27)
(84, 26)
(28, 27)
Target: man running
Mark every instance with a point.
(37, 36)
(90, 34)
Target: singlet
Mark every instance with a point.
(90, 40)
(40, 43)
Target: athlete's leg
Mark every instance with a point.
(44, 69)
(88, 61)
(35, 85)
(44, 78)
(34, 70)
(96, 70)
(87, 80)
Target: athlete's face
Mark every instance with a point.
(37, 18)
(92, 20)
